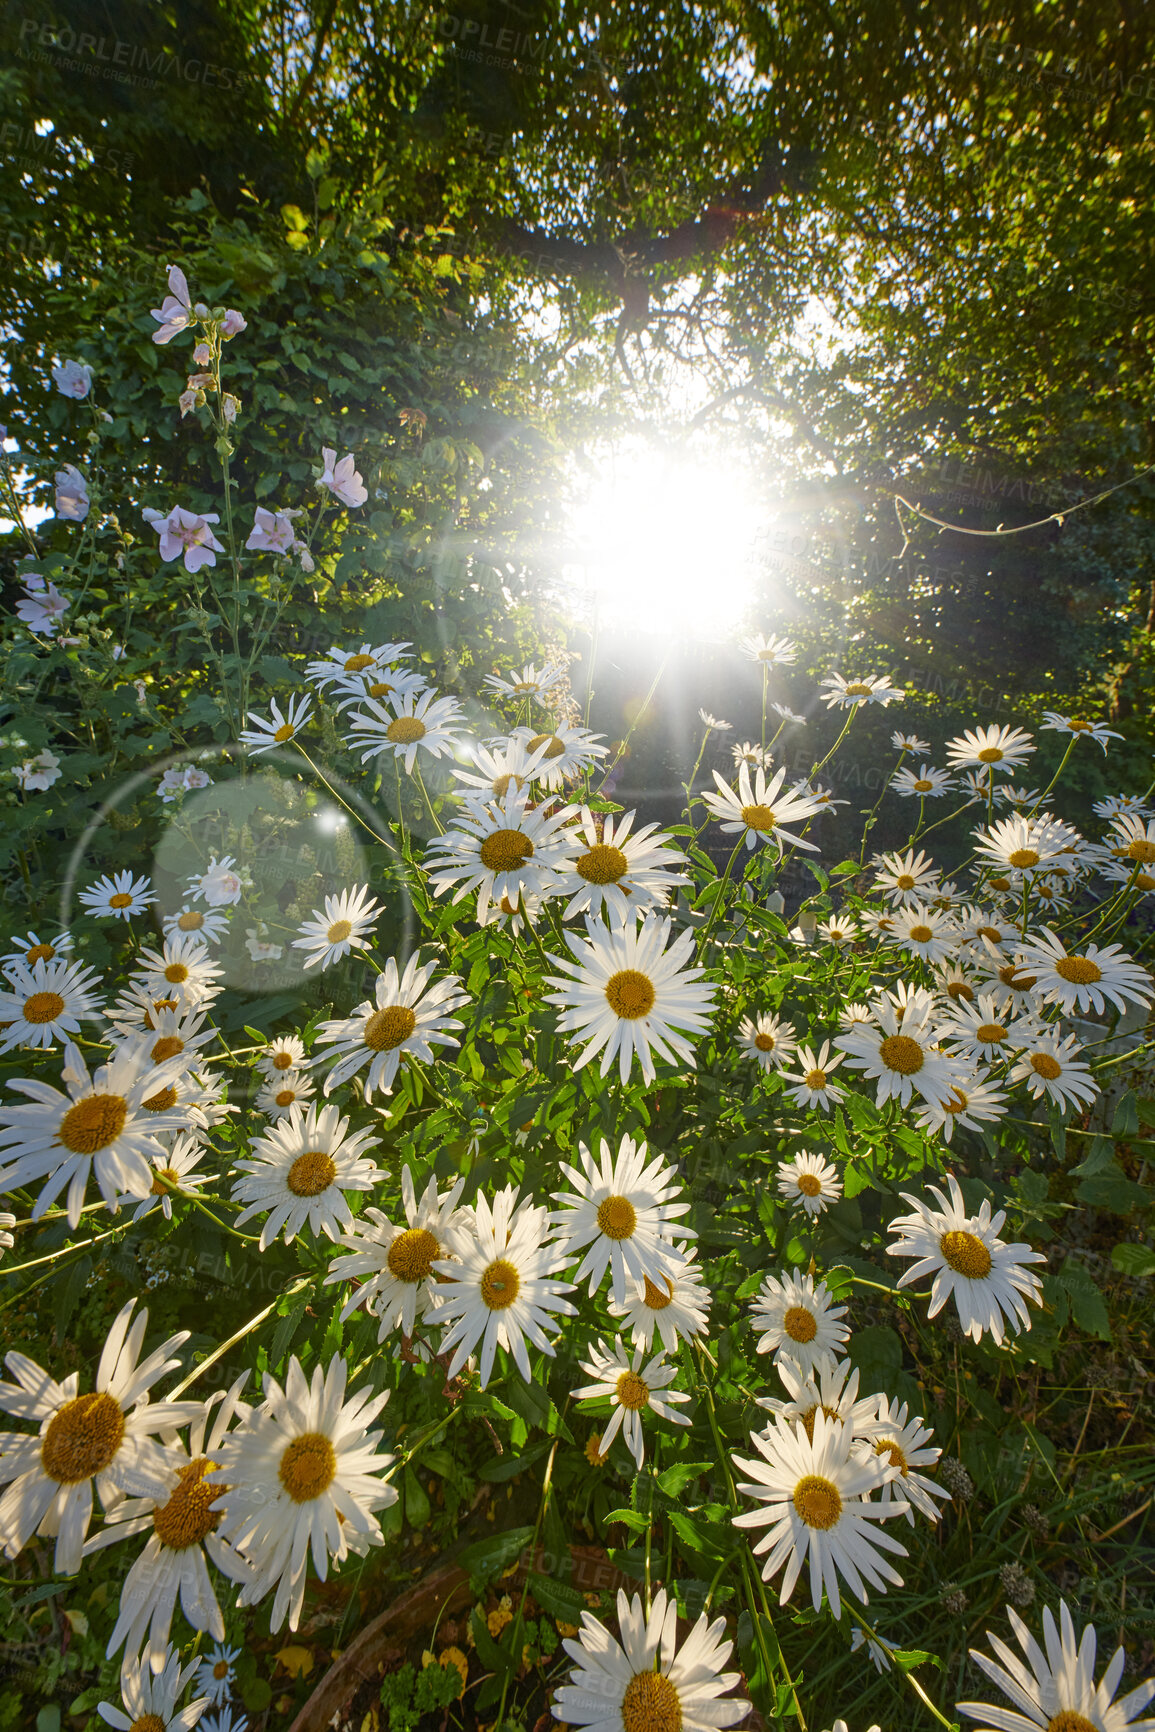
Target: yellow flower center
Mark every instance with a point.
(965, 1254)
(651, 1704)
(308, 1467)
(630, 994)
(633, 1391)
(311, 1173)
(380, 689)
(905, 881)
(43, 1007)
(501, 785)
(922, 784)
(147, 1723)
(857, 689)
(991, 755)
(405, 731)
(412, 1253)
(500, 1285)
(990, 1033)
(994, 933)
(282, 1061)
(161, 1101)
(505, 850)
(1142, 850)
(764, 1042)
(758, 817)
(283, 733)
(617, 1218)
(1045, 1066)
(817, 1501)
(555, 747)
(1144, 881)
(39, 953)
(166, 1047)
(816, 1079)
(92, 1124)
(357, 664)
(920, 934)
(1010, 976)
(887, 1446)
(602, 865)
(956, 1104)
(175, 973)
(82, 1438)
(808, 1184)
(1070, 1720)
(899, 1052)
(1079, 970)
(190, 921)
(166, 1177)
(339, 931)
(388, 1028)
(285, 1097)
(957, 989)
(800, 1324)
(120, 900)
(654, 1298)
(221, 1669)
(1023, 857)
(186, 1518)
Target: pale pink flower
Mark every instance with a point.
(233, 323)
(43, 608)
(73, 379)
(188, 533)
(187, 401)
(37, 773)
(343, 481)
(72, 500)
(272, 531)
(175, 315)
(202, 355)
(229, 407)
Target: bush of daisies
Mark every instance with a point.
(436, 1162)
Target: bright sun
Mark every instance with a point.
(665, 544)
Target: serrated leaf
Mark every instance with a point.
(637, 1524)
(1131, 1259)
(557, 1598)
(674, 1479)
(495, 1551)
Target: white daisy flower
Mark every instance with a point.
(1132, 838)
(392, 686)
(1049, 1065)
(677, 1306)
(758, 811)
(136, 1011)
(906, 878)
(301, 1170)
(194, 922)
(283, 1053)
(995, 746)
(909, 743)
(713, 725)
(501, 849)
(30, 949)
(811, 1079)
(280, 1094)
(768, 1040)
(755, 757)
(817, 1497)
(987, 1277)
(909, 999)
(47, 1002)
(1014, 796)
(566, 753)
(927, 784)
(101, 1123)
(853, 1015)
(174, 1171)
(7, 1240)
(839, 929)
(219, 885)
(1120, 873)
(1056, 1690)
(216, 1672)
(514, 917)
(879, 1650)
(620, 873)
(301, 1475)
(820, 793)
(341, 664)
(629, 1210)
(789, 715)
(629, 993)
(900, 1053)
(924, 932)
(407, 1021)
(1026, 845)
(420, 721)
(1085, 980)
(528, 682)
(904, 1441)
(1121, 805)
(502, 1289)
(981, 1032)
(772, 651)
(832, 1390)
(494, 769)
(1078, 725)
(185, 971)
(119, 897)
(644, 1683)
(799, 1322)
(150, 1701)
(172, 1565)
(392, 1265)
(852, 694)
(104, 1436)
(976, 924)
(1016, 982)
(279, 728)
(634, 1389)
(340, 928)
(809, 1181)
(972, 1102)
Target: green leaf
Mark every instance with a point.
(637, 1524)
(676, 1478)
(498, 1659)
(256, 1695)
(286, 1329)
(416, 1501)
(66, 1291)
(499, 1468)
(1087, 1307)
(1126, 1120)
(557, 1598)
(908, 1658)
(494, 1552)
(1131, 1259)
